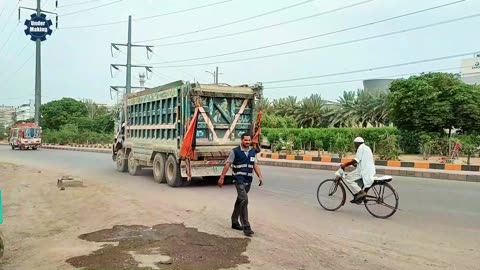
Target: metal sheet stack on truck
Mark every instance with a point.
(152, 125)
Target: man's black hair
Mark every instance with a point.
(245, 135)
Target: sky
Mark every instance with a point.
(76, 61)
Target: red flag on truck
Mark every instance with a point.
(189, 143)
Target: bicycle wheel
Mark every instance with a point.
(331, 194)
(381, 200)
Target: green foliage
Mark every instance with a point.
(388, 148)
(342, 144)
(426, 145)
(57, 113)
(270, 120)
(3, 133)
(68, 121)
(434, 102)
(327, 136)
(469, 144)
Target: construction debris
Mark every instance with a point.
(68, 181)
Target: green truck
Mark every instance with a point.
(151, 125)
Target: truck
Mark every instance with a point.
(151, 126)
(25, 136)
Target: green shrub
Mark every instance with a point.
(388, 148)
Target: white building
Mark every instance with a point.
(6, 115)
(25, 111)
(470, 70)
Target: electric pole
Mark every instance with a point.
(215, 75)
(128, 82)
(38, 27)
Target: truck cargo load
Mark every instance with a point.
(152, 124)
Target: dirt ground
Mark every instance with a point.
(106, 225)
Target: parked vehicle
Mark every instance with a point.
(152, 124)
(25, 136)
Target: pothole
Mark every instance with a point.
(163, 246)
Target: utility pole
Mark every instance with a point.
(128, 81)
(215, 75)
(38, 27)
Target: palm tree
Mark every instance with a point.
(286, 106)
(311, 112)
(344, 113)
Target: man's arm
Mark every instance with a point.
(347, 164)
(256, 168)
(228, 163)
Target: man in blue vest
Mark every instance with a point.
(243, 161)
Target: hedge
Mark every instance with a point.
(329, 138)
(63, 137)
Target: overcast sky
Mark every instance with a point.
(75, 61)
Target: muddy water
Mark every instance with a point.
(163, 246)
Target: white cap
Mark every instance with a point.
(359, 140)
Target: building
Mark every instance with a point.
(377, 85)
(470, 70)
(7, 114)
(25, 111)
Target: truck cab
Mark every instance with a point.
(25, 136)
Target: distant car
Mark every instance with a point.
(25, 135)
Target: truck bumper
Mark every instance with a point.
(201, 169)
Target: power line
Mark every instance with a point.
(11, 14)
(92, 8)
(80, 3)
(324, 46)
(310, 37)
(17, 70)
(8, 39)
(144, 18)
(184, 10)
(357, 80)
(268, 26)
(373, 68)
(230, 23)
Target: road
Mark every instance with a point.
(438, 221)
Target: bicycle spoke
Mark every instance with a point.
(389, 206)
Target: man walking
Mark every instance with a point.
(365, 170)
(243, 161)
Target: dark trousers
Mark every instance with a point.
(241, 205)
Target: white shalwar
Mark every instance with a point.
(365, 169)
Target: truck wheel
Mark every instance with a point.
(172, 172)
(121, 161)
(133, 167)
(13, 146)
(159, 168)
(34, 148)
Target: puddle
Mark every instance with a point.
(164, 247)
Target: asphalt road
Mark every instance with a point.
(424, 200)
(438, 212)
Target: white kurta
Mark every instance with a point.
(365, 164)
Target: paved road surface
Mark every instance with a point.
(438, 215)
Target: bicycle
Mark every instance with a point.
(335, 189)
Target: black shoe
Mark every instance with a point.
(237, 226)
(359, 197)
(248, 231)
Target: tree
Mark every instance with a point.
(311, 112)
(425, 103)
(57, 113)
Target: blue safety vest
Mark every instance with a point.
(243, 165)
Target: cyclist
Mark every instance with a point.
(364, 171)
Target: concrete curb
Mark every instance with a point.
(381, 170)
(80, 149)
(385, 163)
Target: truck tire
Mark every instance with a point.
(133, 167)
(121, 162)
(172, 172)
(159, 168)
(13, 146)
